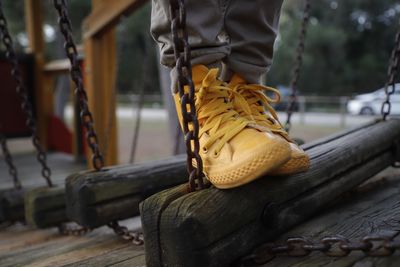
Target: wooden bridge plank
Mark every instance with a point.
(372, 211)
(212, 227)
(96, 198)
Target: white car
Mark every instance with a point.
(371, 103)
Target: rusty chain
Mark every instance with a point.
(86, 118)
(9, 160)
(76, 76)
(297, 66)
(394, 67)
(332, 246)
(187, 98)
(135, 238)
(64, 229)
(26, 105)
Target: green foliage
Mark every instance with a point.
(136, 49)
(348, 45)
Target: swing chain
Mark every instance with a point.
(333, 246)
(9, 160)
(76, 75)
(26, 105)
(135, 237)
(394, 67)
(298, 63)
(63, 229)
(187, 99)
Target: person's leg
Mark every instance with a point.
(233, 151)
(204, 23)
(252, 27)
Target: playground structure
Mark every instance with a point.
(184, 227)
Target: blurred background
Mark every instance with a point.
(348, 46)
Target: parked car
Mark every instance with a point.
(371, 103)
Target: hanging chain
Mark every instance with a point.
(299, 62)
(9, 160)
(135, 237)
(394, 67)
(187, 101)
(63, 229)
(334, 246)
(76, 75)
(26, 105)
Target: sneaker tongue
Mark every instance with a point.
(198, 73)
(236, 79)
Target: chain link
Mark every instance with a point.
(297, 66)
(63, 229)
(393, 69)
(135, 237)
(26, 105)
(9, 160)
(184, 70)
(333, 246)
(76, 76)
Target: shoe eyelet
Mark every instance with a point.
(215, 154)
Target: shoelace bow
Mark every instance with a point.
(251, 102)
(214, 110)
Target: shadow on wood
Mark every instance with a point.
(12, 205)
(95, 198)
(214, 227)
(45, 207)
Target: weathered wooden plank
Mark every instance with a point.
(45, 207)
(107, 14)
(95, 198)
(213, 227)
(12, 205)
(370, 210)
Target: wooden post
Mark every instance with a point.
(215, 227)
(43, 86)
(100, 77)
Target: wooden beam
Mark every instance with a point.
(106, 14)
(100, 79)
(215, 227)
(12, 205)
(43, 87)
(56, 67)
(96, 198)
(45, 207)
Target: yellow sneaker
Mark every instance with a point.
(251, 103)
(233, 152)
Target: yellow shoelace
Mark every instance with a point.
(250, 101)
(215, 112)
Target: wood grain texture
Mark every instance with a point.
(45, 207)
(373, 210)
(213, 227)
(12, 205)
(96, 198)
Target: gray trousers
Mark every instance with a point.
(236, 35)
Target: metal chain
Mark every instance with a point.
(86, 117)
(76, 75)
(333, 246)
(135, 237)
(9, 160)
(76, 231)
(26, 105)
(184, 70)
(394, 67)
(297, 66)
